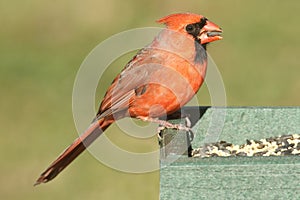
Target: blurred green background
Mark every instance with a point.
(43, 43)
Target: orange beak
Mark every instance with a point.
(210, 32)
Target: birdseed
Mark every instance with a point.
(273, 146)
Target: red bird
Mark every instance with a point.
(159, 80)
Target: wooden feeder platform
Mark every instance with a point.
(232, 176)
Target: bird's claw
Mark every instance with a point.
(167, 125)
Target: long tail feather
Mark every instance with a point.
(74, 150)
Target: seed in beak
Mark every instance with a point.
(214, 33)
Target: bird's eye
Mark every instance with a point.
(190, 28)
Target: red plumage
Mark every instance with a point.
(159, 80)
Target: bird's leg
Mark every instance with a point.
(165, 124)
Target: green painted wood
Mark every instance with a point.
(235, 177)
(246, 123)
(231, 178)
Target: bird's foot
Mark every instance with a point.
(167, 125)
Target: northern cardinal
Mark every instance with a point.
(159, 80)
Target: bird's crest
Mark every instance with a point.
(176, 21)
